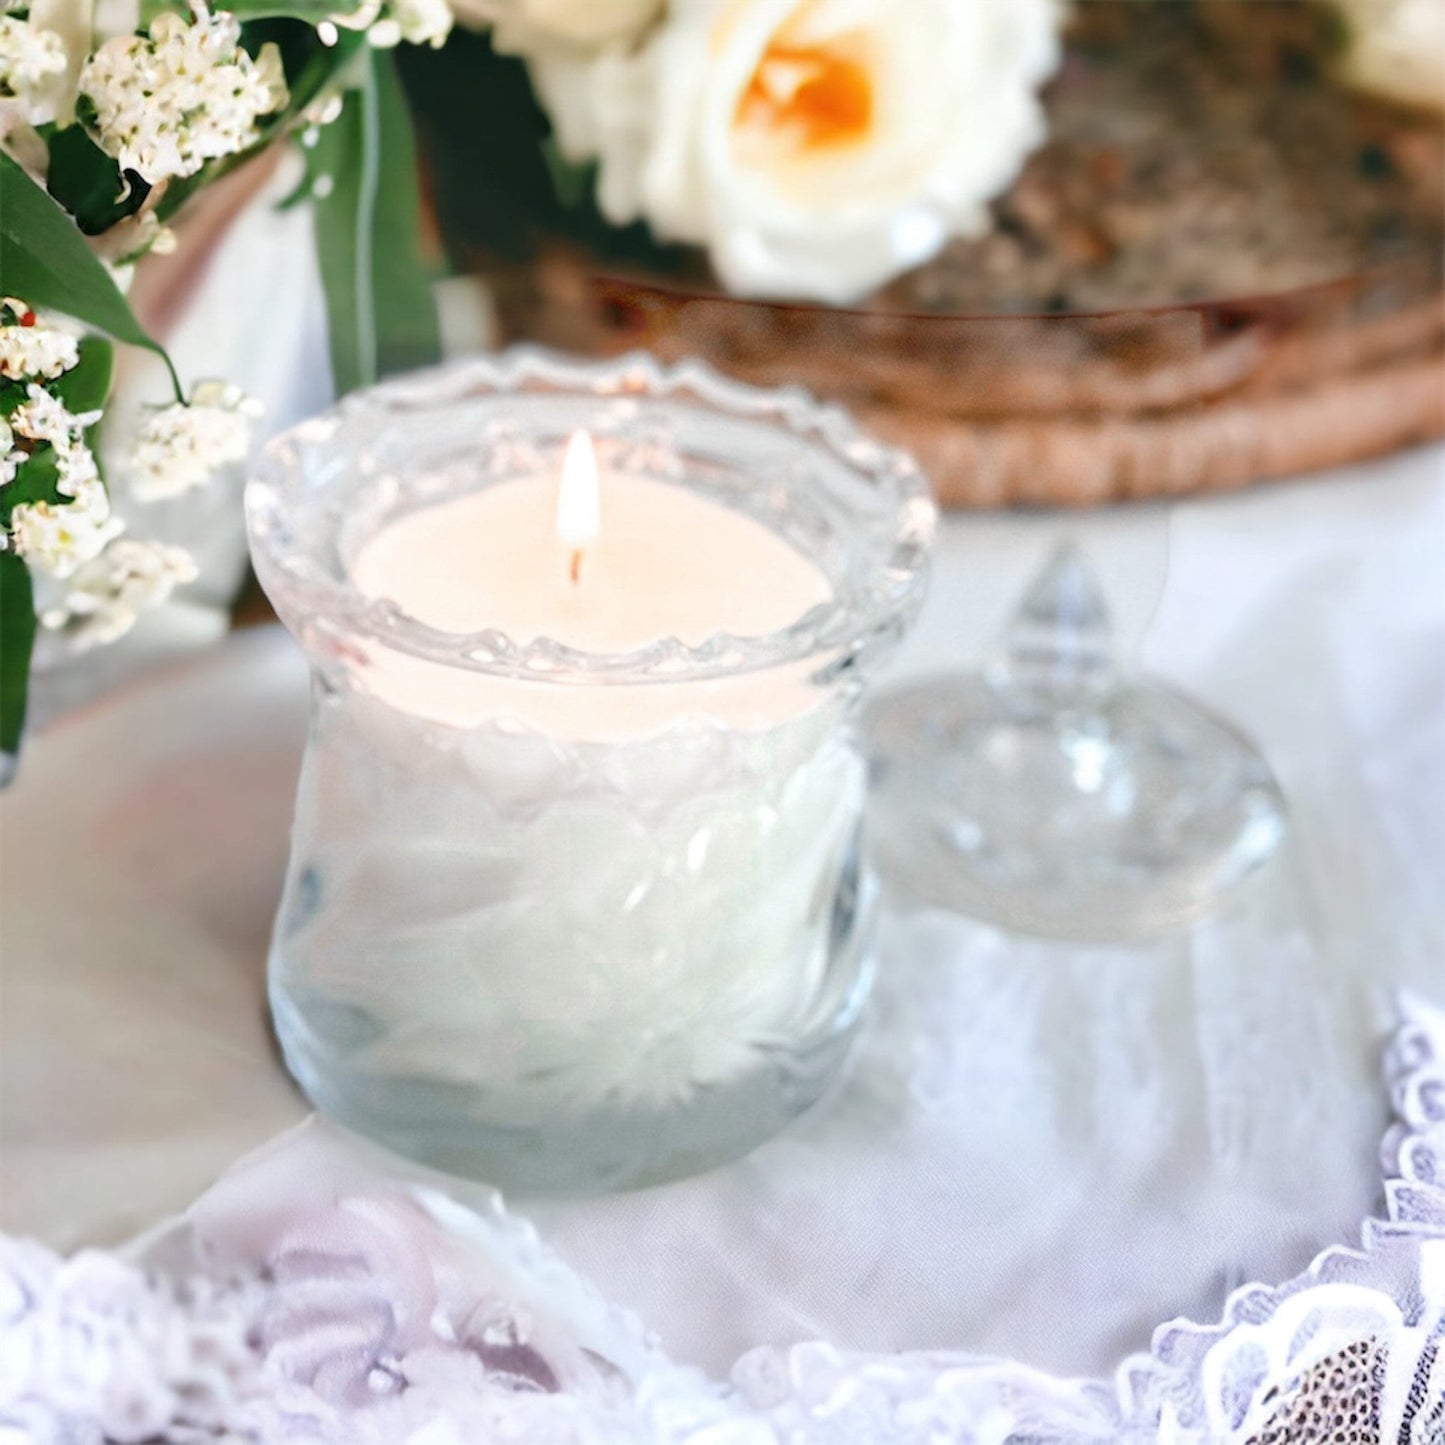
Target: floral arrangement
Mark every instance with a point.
(816, 149)
(109, 123)
(813, 149)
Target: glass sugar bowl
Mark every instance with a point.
(575, 898)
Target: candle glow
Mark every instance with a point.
(579, 507)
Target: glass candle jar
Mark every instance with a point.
(559, 915)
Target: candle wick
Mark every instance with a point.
(575, 570)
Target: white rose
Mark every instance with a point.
(524, 25)
(1397, 48)
(815, 147)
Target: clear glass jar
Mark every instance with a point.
(562, 962)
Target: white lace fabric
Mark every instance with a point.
(313, 1296)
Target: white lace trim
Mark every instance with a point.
(400, 1316)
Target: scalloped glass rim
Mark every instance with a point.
(841, 630)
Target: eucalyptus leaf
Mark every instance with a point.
(380, 311)
(45, 262)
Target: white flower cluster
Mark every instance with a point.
(112, 578)
(31, 62)
(29, 349)
(10, 455)
(168, 102)
(45, 418)
(109, 593)
(388, 22)
(61, 537)
(57, 537)
(182, 446)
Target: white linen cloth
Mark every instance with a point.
(1042, 1152)
(312, 1296)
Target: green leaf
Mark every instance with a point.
(37, 479)
(379, 305)
(150, 9)
(89, 184)
(312, 11)
(494, 171)
(12, 394)
(314, 68)
(44, 261)
(86, 386)
(17, 641)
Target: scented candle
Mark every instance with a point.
(575, 898)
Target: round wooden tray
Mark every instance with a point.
(1056, 410)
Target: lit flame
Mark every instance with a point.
(579, 511)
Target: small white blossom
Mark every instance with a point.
(323, 110)
(136, 236)
(418, 22)
(110, 592)
(363, 17)
(10, 455)
(181, 446)
(45, 418)
(32, 60)
(75, 469)
(168, 102)
(36, 350)
(59, 538)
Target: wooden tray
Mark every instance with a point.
(1056, 410)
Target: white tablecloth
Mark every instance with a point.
(1042, 1152)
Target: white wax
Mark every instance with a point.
(666, 562)
(578, 896)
